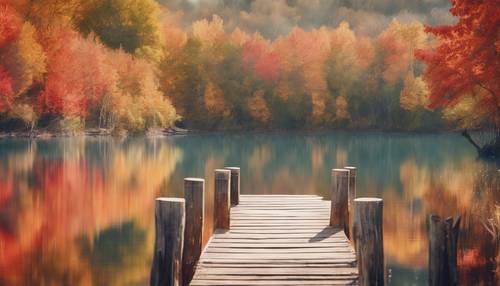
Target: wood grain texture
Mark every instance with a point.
(351, 195)
(369, 240)
(222, 200)
(194, 194)
(278, 240)
(235, 185)
(169, 240)
(339, 190)
(443, 239)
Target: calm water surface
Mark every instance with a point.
(76, 211)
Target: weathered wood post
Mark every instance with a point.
(351, 195)
(235, 185)
(222, 204)
(169, 240)
(194, 193)
(443, 239)
(339, 188)
(368, 234)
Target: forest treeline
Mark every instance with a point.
(131, 65)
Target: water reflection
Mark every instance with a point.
(80, 211)
(77, 212)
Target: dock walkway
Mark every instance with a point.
(278, 240)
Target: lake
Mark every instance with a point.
(80, 211)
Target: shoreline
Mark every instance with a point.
(94, 132)
(168, 132)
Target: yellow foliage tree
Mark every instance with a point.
(25, 60)
(238, 37)
(209, 32)
(414, 93)
(469, 112)
(214, 98)
(341, 107)
(258, 107)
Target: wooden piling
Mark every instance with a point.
(339, 189)
(351, 195)
(368, 235)
(443, 238)
(169, 240)
(194, 194)
(222, 217)
(235, 185)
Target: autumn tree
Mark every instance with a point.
(138, 102)
(465, 63)
(6, 93)
(10, 27)
(64, 91)
(259, 59)
(258, 107)
(25, 61)
(128, 24)
(414, 93)
(348, 60)
(10, 23)
(395, 54)
(46, 15)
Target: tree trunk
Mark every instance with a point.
(467, 136)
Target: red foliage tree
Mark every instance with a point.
(10, 27)
(466, 60)
(10, 24)
(267, 66)
(6, 93)
(257, 56)
(78, 75)
(63, 93)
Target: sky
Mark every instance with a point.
(273, 18)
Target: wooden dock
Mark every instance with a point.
(269, 239)
(283, 239)
(278, 240)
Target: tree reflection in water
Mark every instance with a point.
(62, 199)
(79, 211)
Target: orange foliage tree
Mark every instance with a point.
(466, 63)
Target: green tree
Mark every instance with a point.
(128, 24)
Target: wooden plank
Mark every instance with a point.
(276, 214)
(275, 277)
(347, 281)
(245, 256)
(262, 214)
(245, 205)
(278, 245)
(276, 196)
(279, 223)
(282, 229)
(271, 261)
(279, 265)
(276, 271)
(278, 240)
(287, 207)
(284, 249)
(310, 236)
